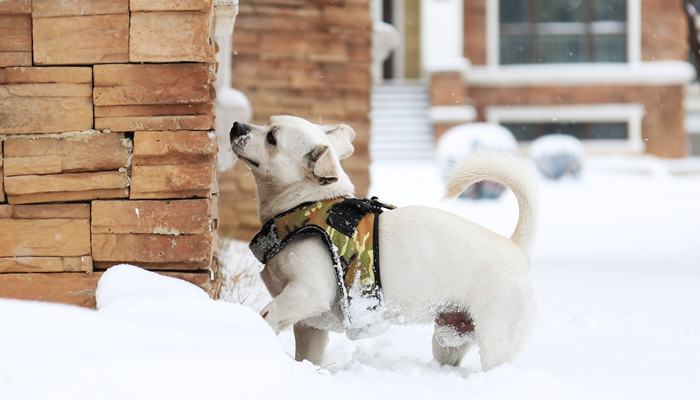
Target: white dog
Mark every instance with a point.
(435, 267)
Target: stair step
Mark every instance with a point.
(401, 126)
(399, 148)
(389, 96)
(401, 155)
(403, 143)
(393, 108)
(382, 89)
(392, 132)
(400, 119)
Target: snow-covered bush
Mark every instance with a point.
(240, 275)
(462, 140)
(557, 155)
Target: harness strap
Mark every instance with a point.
(268, 242)
(344, 214)
(349, 228)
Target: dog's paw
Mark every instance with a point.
(274, 323)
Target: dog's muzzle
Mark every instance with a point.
(239, 129)
(239, 137)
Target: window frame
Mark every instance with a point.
(630, 114)
(493, 35)
(586, 129)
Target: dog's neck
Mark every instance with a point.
(273, 201)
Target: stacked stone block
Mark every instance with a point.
(16, 33)
(107, 149)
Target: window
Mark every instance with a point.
(562, 31)
(601, 127)
(584, 131)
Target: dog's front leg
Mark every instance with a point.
(296, 302)
(310, 343)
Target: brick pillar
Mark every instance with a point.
(108, 152)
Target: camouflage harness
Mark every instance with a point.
(348, 226)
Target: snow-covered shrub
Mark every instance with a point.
(462, 140)
(557, 155)
(240, 275)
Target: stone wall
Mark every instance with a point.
(306, 58)
(664, 31)
(475, 31)
(107, 151)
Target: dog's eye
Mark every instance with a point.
(271, 138)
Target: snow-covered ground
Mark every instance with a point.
(616, 271)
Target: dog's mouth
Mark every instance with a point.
(237, 147)
(248, 161)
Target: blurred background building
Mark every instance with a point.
(612, 73)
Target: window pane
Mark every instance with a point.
(562, 11)
(563, 31)
(522, 132)
(609, 131)
(577, 130)
(515, 49)
(611, 10)
(526, 132)
(514, 11)
(562, 49)
(610, 48)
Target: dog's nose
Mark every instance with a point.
(238, 129)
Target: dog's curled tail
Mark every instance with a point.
(510, 171)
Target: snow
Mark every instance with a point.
(615, 271)
(459, 141)
(557, 155)
(556, 143)
(669, 72)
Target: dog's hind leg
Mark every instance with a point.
(500, 340)
(453, 336)
(504, 327)
(310, 343)
(450, 347)
(495, 352)
(450, 355)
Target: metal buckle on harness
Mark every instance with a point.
(375, 200)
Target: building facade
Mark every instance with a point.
(610, 72)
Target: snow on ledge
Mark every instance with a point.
(447, 64)
(225, 12)
(452, 114)
(654, 73)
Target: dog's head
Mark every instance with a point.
(289, 150)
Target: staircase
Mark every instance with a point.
(401, 128)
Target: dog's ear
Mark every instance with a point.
(322, 166)
(341, 137)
